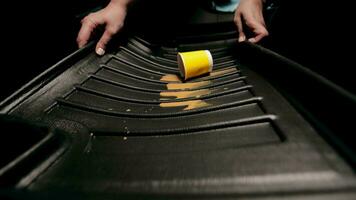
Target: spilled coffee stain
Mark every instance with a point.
(175, 83)
(189, 105)
(184, 86)
(222, 72)
(185, 94)
(171, 78)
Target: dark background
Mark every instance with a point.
(37, 34)
(319, 35)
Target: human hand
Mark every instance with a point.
(250, 11)
(112, 16)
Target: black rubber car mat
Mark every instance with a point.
(115, 76)
(123, 139)
(24, 145)
(218, 60)
(146, 73)
(157, 52)
(156, 94)
(227, 133)
(109, 104)
(132, 57)
(125, 123)
(213, 86)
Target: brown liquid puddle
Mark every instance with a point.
(186, 94)
(175, 83)
(183, 86)
(171, 78)
(189, 104)
(222, 72)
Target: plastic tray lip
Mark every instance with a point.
(55, 155)
(42, 79)
(306, 71)
(21, 157)
(324, 84)
(51, 136)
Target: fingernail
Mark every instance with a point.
(253, 40)
(80, 45)
(100, 51)
(242, 38)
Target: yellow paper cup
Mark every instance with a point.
(194, 63)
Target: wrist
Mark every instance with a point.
(122, 3)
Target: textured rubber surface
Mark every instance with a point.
(130, 126)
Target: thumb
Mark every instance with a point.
(260, 32)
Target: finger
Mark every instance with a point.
(106, 37)
(238, 23)
(242, 36)
(104, 40)
(85, 31)
(260, 32)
